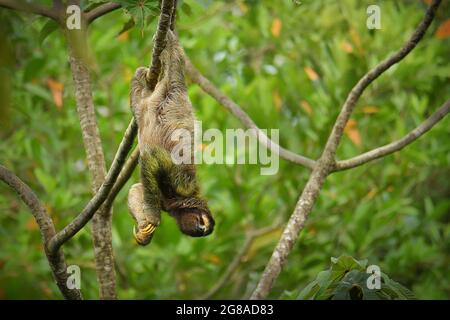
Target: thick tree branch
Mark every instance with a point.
(326, 163)
(397, 145)
(123, 177)
(55, 258)
(100, 11)
(80, 221)
(237, 111)
(102, 220)
(18, 5)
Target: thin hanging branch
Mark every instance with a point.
(397, 145)
(326, 163)
(237, 111)
(173, 15)
(167, 7)
(19, 5)
(56, 258)
(101, 10)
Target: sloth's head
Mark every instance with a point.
(194, 222)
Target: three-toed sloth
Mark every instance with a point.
(165, 185)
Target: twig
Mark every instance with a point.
(100, 11)
(173, 15)
(160, 42)
(55, 258)
(237, 111)
(397, 145)
(30, 8)
(327, 161)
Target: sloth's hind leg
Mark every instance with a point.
(147, 218)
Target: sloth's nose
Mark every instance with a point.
(202, 227)
(203, 224)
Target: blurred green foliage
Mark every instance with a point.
(290, 66)
(349, 279)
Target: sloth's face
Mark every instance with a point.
(195, 223)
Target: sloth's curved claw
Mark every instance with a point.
(144, 235)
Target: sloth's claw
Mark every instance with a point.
(144, 236)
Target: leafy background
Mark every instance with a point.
(289, 66)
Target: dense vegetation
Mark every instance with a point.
(290, 66)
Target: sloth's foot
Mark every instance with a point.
(144, 235)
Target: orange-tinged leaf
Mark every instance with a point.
(371, 193)
(276, 27)
(31, 224)
(352, 123)
(346, 46)
(215, 259)
(123, 36)
(277, 100)
(356, 39)
(428, 2)
(352, 132)
(261, 242)
(243, 7)
(306, 107)
(444, 30)
(370, 109)
(57, 90)
(312, 75)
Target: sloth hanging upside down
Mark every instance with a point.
(165, 185)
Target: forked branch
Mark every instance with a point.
(80, 221)
(326, 162)
(55, 258)
(397, 145)
(237, 111)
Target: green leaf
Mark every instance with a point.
(186, 9)
(139, 10)
(46, 180)
(47, 29)
(127, 26)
